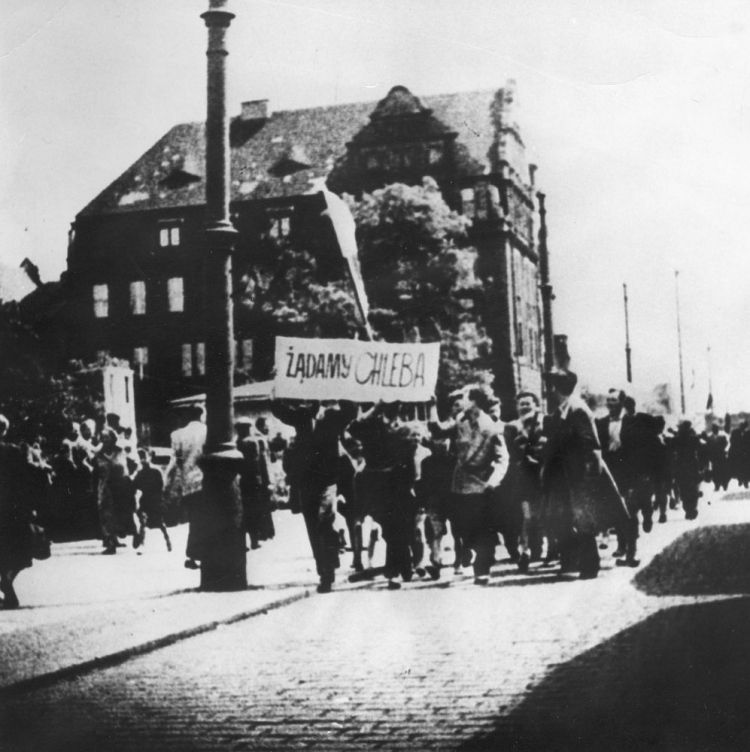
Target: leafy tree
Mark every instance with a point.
(419, 277)
(36, 395)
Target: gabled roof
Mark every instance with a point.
(289, 153)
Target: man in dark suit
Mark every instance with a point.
(582, 495)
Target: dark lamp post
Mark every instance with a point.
(223, 562)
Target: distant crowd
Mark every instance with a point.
(550, 488)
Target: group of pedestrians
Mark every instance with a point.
(550, 488)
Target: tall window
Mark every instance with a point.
(138, 298)
(194, 359)
(187, 360)
(175, 294)
(169, 236)
(140, 360)
(467, 202)
(200, 358)
(280, 227)
(245, 354)
(101, 301)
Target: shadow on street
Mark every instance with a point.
(712, 560)
(677, 682)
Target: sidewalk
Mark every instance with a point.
(81, 610)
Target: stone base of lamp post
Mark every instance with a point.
(224, 562)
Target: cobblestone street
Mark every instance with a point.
(535, 662)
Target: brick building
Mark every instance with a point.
(135, 268)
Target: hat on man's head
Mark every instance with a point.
(562, 379)
(243, 421)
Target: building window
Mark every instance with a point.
(467, 202)
(138, 298)
(101, 301)
(280, 227)
(200, 358)
(245, 354)
(194, 359)
(519, 340)
(435, 153)
(140, 360)
(175, 294)
(169, 236)
(187, 360)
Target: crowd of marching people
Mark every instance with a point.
(550, 488)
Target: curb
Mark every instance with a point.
(72, 672)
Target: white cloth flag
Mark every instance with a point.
(345, 229)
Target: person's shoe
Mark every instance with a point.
(630, 561)
(393, 585)
(120, 544)
(407, 576)
(592, 575)
(109, 551)
(482, 580)
(138, 539)
(325, 587)
(254, 546)
(648, 524)
(8, 603)
(191, 564)
(618, 553)
(523, 563)
(434, 571)
(662, 517)
(357, 565)
(467, 555)
(420, 571)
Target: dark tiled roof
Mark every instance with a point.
(171, 173)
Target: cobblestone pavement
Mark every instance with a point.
(535, 662)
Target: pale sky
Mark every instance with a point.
(633, 110)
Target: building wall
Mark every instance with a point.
(120, 249)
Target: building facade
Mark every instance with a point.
(135, 259)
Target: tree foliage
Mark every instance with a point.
(36, 395)
(419, 277)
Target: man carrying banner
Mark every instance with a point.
(319, 431)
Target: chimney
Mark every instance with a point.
(257, 109)
(32, 271)
(532, 175)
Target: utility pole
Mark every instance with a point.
(627, 336)
(679, 340)
(547, 297)
(223, 562)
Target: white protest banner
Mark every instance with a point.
(331, 369)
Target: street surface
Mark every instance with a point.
(537, 662)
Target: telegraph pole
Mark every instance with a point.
(223, 562)
(627, 336)
(679, 340)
